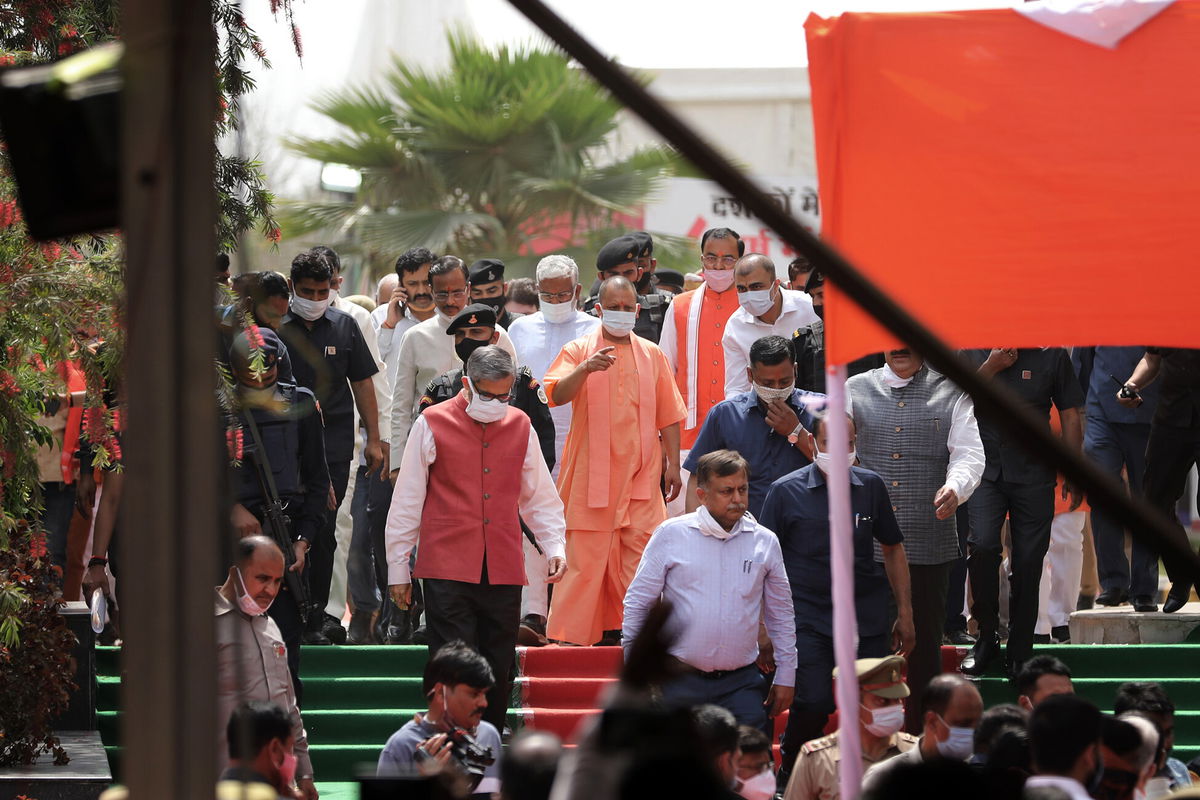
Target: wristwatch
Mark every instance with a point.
(794, 436)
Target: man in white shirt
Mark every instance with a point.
(460, 492)
(765, 309)
(426, 351)
(539, 337)
(1064, 740)
(408, 303)
(722, 573)
(917, 430)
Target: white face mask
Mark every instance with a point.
(822, 460)
(718, 279)
(959, 745)
(757, 303)
(557, 312)
(767, 394)
(310, 310)
(246, 603)
(482, 410)
(760, 787)
(886, 720)
(333, 295)
(618, 323)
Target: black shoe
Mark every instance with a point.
(1085, 602)
(315, 637)
(1042, 638)
(420, 636)
(982, 655)
(610, 639)
(959, 638)
(1061, 634)
(332, 628)
(1144, 603)
(532, 632)
(1177, 597)
(360, 628)
(400, 631)
(1112, 597)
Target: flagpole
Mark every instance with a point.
(841, 566)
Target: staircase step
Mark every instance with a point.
(321, 692)
(317, 661)
(555, 661)
(563, 722)
(1101, 691)
(538, 692)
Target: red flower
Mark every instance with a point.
(254, 337)
(51, 251)
(37, 545)
(8, 384)
(118, 420)
(274, 234)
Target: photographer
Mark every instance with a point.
(456, 681)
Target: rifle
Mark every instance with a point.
(276, 523)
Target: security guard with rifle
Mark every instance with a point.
(279, 478)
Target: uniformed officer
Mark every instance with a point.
(621, 257)
(880, 717)
(809, 343)
(290, 429)
(475, 327)
(486, 277)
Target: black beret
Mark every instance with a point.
(256, 337)
(622, 250)
(473, 316)
(670, 277)
(645, 243)
(486, 270)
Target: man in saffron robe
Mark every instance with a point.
(612, 471)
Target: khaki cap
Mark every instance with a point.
(881, 676)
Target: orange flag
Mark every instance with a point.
(1007, 184)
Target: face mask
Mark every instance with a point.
(618, 323)
(757, 303)
(246, 603)
(557, 312)
(822, 460)
(719, 280)
(333, 296)
(767, 394)
(886, 721)
(468, 346)
(482, 410)
(761, 787)
(310, 310)
(819, 310)
(287, 770)
(495, 303)
(959, 744)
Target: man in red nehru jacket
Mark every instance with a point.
(471, 465)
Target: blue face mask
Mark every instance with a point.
(959, 744)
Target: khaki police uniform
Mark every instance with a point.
(815, 775)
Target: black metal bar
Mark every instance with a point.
(990, 398)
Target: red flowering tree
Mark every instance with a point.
(57, 301)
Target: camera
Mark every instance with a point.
(472, 757)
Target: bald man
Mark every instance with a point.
(623, 396)
(765, 308)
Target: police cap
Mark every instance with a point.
(881, 676)
(645, 243)
(622, 250)
(476, 315)
(815, 278)
(670, 277)
(251, 339)
(486, 270)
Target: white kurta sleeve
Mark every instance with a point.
(540, 506)
(408, 501)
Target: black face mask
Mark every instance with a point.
(819, 310)
(468, 346)
(1113, 784)
(495, 303)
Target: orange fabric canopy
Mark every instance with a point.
(1007, 184)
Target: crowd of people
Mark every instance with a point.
(469, 462)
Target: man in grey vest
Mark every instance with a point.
(918, 431)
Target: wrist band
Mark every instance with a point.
(97, 561)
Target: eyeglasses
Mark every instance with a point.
(557, 297)
(442, 297)
(503, 398)
(712, 261)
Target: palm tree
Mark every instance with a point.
(505, 149)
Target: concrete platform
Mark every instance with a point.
(83, 779)
(1123, 625)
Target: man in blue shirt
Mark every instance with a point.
(797, 509)
(1115, 437)
(768, 425)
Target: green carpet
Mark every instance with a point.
(355, 697)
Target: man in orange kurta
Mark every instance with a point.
(692, 333)
(611, 472)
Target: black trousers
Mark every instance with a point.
(1170, 454)
(486, 617)
(929, 585)
(956, 591)
(320, 558)
(1030, 511)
